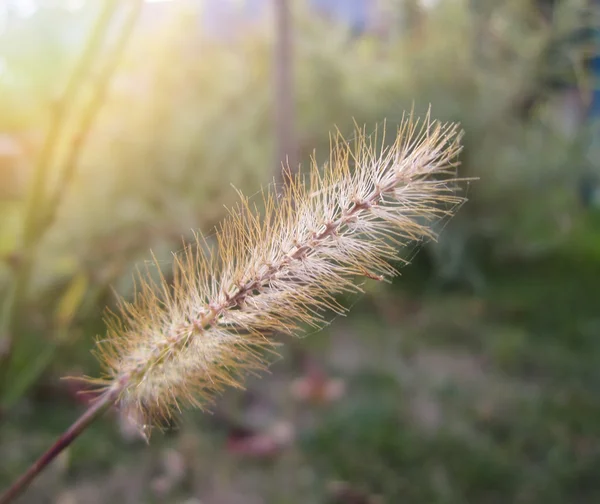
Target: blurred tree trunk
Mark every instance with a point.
(287, 156)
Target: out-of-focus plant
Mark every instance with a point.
(50, 179)
(475, 67)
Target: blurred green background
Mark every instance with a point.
(472, 378)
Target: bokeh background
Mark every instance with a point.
(472, 378)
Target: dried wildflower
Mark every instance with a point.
(276, 268)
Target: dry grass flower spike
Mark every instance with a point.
(276, 267)
(276, 264)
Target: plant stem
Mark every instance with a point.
(36, 200)
(284, 93)
(95, 411)
(89, 114)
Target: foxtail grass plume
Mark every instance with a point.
(278, 264)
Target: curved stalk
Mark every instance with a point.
(95, 411)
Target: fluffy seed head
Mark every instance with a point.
(276, 264)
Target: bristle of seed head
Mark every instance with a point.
(277, 268)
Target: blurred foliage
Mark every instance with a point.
(187, 117)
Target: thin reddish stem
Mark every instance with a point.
(95, 411)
